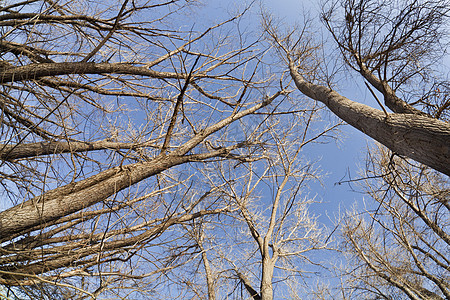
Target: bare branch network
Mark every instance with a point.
(144, 147)
(119, 132)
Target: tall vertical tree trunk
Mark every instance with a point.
(267, 276)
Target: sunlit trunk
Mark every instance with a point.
(421, 138)
(266, 280)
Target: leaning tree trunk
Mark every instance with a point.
(422, 138)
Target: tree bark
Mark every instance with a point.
(424, 139)
(267, 277)
(248, 286)
(9, 152)
(77, 196)
(209, 276)
(36, 71)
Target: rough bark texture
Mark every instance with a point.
(9, 152)
(74, 197)
(267, 277)
(36, 71)
(421, 138)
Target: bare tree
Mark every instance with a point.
(135, 134)
(393, 46)
(283, 230)
(399, 247)
(106, 109)
(269, 240)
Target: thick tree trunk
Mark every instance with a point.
(424, 139)
(77, 196)
(267, 277)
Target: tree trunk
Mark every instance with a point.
(73, 197)
(267, 276)
(36, 71)
(424, 139)
(248, 286)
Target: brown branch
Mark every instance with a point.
(10, 152)
(28, 51)
(248, 286)
(79, 195)
(177, 107)
(75, 256)
(108, 36)
(36, 71)
(391, 100)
